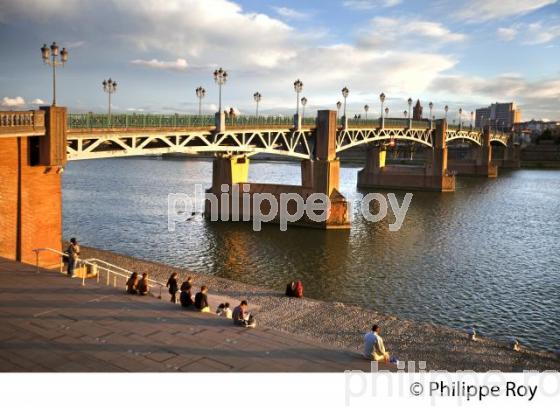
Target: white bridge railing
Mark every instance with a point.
(96, 267)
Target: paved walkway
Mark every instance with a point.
(49, 322)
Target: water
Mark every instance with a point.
(488, 254)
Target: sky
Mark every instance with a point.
(465, 54)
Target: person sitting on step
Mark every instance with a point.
(242, 317)
(201, 300)
(186, 298)
(143, 287)
(132, 284)
(374, 348)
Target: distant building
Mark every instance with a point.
(527, 131)
(417, 111)
(501, 115)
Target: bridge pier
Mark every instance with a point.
(431, 177)
(30, 189)
(481, 164)
(511, 156)
(233, 197)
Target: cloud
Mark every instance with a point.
(178, 65)
(506, 33)
(536, 98)
(369, 4)
(541, 33)
(37, 101)
(485, 10)
(289, 13)
(11, 102)
(402, 32)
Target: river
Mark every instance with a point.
(487, 255)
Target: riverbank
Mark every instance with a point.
(335, 324)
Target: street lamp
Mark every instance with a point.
(200, 94)
(382, 99)
(366, 108)
(410, 113)
(386, 111)
(50, 58)
(257, 96)
(110, 87)
(431, 105)
(298, 87)
(338, 105)
(405, 112)
(345, 93)
(472, 119)
(220, 78)
(460, 118)
(446, 109)
(303, 104)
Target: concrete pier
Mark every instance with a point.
(234, 197)
(433, 176)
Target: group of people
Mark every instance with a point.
(240, 315)
(136, 285)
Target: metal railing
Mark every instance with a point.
(112, 272)
(387, 122)
(91, 120)
(123, 121)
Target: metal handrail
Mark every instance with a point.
(95, 264)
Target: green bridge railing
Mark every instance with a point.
(91, 120)
(100, 121)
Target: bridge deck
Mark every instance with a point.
(51, 323)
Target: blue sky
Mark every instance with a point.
(464, 54)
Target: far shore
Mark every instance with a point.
(333, 323)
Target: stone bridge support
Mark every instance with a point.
(432, 176)
(480, 163)
(511, 158)
(30, 191)
(320, 175)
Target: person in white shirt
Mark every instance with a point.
(374, 348)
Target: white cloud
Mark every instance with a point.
(37, 101)
(485, 10)
(536, 98)
(506, 33)
(369, 4)
(11, 102)
(388, 32)
(289, 13)
(178, 65)
(541, 33)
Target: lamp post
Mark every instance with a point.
(446, 109)
(257, 96)
(110, 87)
(382, 99)
(410, 113)
(220, 77)
(431, 105)
(405, 112)
(366, 108)
(338, 105)
(345, 93)
(200, 94)
(472, 119)
(386, 111)
(50, 57)
(303, 104)
(460, 118)
(298, 87)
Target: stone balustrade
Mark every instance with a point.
(22, 123)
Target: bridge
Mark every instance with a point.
(35, 146)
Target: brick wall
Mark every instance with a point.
(40, 205)
(8, 197)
